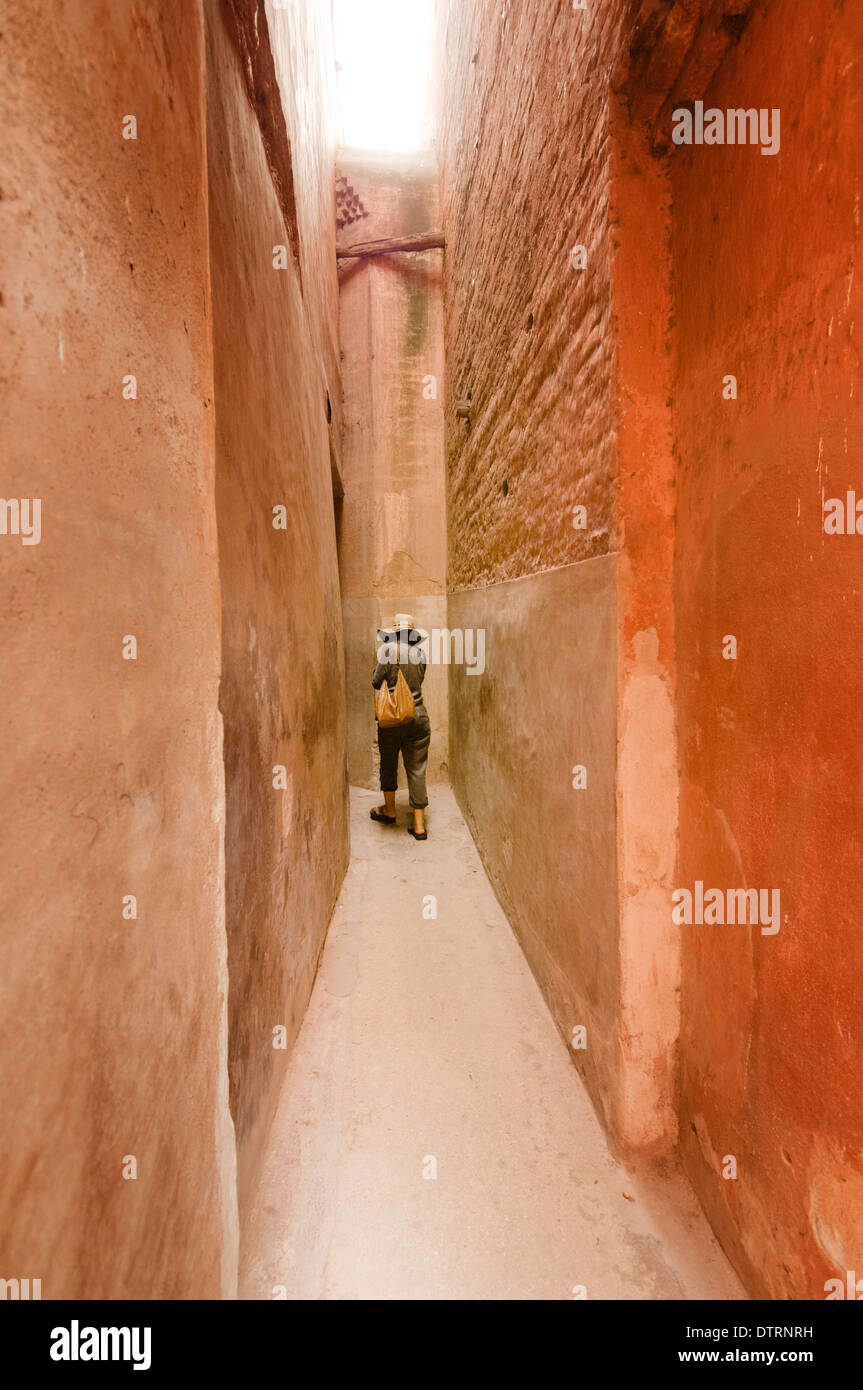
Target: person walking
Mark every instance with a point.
(403, 641)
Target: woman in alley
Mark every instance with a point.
(402, 646)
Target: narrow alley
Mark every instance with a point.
(454, 400)
(433, 1140)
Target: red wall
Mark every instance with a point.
(764, 287)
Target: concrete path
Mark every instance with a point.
(427, 1047)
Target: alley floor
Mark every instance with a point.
(427, 1049)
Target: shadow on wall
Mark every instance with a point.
(282, 688)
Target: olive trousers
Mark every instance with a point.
(412, 740)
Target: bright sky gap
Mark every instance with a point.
(384, 52)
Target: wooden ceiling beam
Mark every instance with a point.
(419, 241)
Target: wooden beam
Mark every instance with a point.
(420, 241)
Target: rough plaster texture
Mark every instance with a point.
(647, 781)
(549, 849)
(765, 288)
(568, 377)
(525, 178)
(392, 531)
(301, 36)
(112, 1031)
(115, 767)
(430, 1038)
(674, 48)
(700, 262)
(282, 692)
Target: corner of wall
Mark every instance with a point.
(647, 768)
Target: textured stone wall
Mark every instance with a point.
(701, 262)
(301, 35)
(766, 287)
(282, 692)
(525, 178)
(537, 159)
(112, 1026)
(606, 388)
(392, 532)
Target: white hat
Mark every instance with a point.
(403, 623)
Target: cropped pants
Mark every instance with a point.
(413, 742)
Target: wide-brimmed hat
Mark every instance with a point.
(403, 623)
